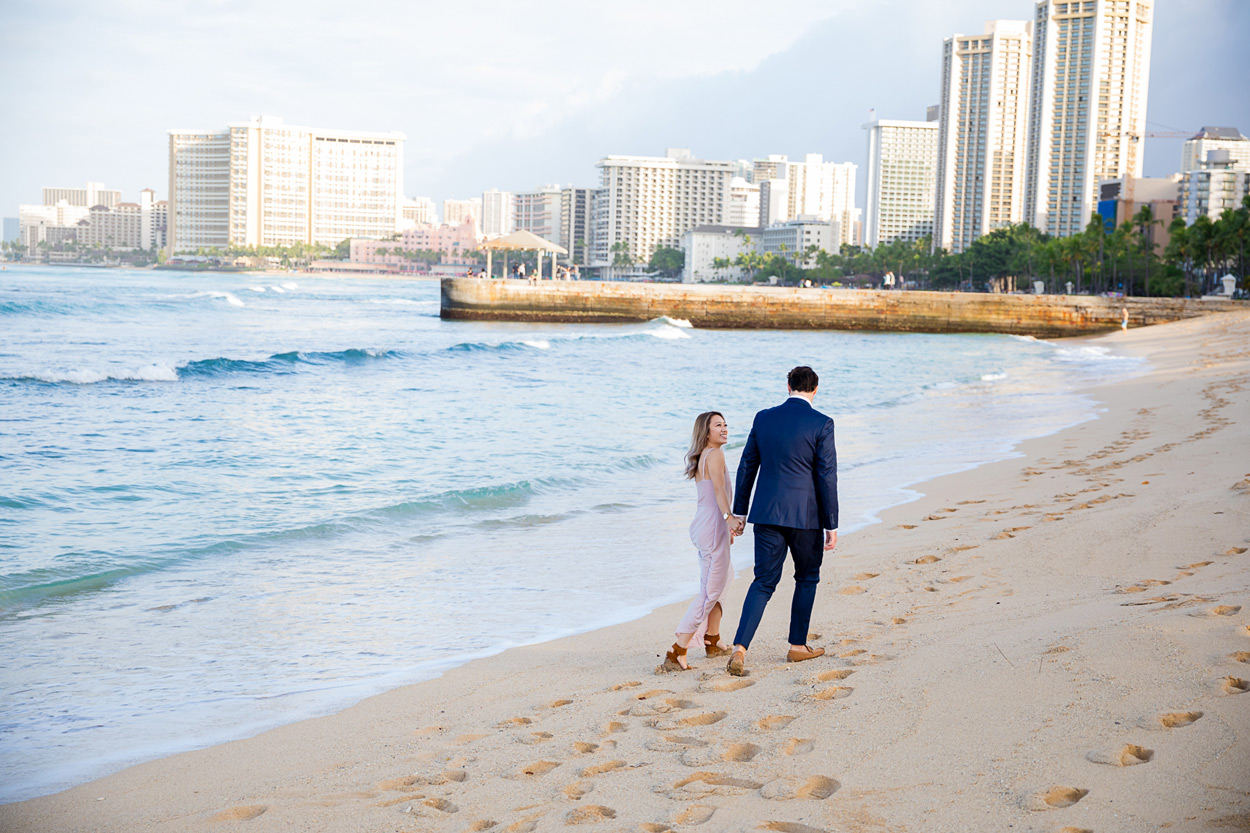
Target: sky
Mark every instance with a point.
(514, 96)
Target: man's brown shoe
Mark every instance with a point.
(737, 664)
(806, 652)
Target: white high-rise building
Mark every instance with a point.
(744, 203)
(651, 201)
(1087, 106)
(774, 201)
(983, 133)
(824, 190)
(540, 212)
(498, 213)
(576, 210)
(902, 179)
(1218, 184)
(1195, 150)
(267, 183)
(94, 194)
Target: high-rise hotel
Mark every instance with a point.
(650, 201)
(982, 138)
(266, 183)
(1087, 106)
(902, 174)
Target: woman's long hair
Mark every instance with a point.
(698, 441)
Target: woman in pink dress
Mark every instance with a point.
(712, 531)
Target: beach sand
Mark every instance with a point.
(1056, 642)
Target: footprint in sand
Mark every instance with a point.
(1175, 720)
(705, 719)
(790, 827)
(627, 684)
(245, 813)
(674, 743)
(535, 769)
(470, 738)
(906, 526)
(898, 620)
(589, 814)
(599, 769)
(694, 814)
(830, 676)
(774, 721)
(1057, 798)
(714, 783)
(655, 827)
(927, 559)
(614, 726)
(577, 789)
(935, 517)
(1241, 656)
(514, 721)
(535, 737)
(1128, 755)
(655, 692)
(1075, 830)
(833, 692)
(854, 652)
(1235, 685)
(480, 825)
(1235, 551)
(798, 746)
(441, 804)
(733, 685)
(555, 704)
(525, 825)
(865, 576)
(584, 747)
(740, 752)
(1226, 610)
(853, 590)
(817, 787)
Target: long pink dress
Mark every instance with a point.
(710, 535)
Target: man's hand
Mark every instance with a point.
(831, 539)
(738, 523)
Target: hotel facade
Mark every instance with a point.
(267, 183)
(902, 179)
(1087, 106)
(982, 137)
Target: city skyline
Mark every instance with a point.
(539, 119)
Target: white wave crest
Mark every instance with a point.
(257, 288)
(667, 332)
(676, 322)
(538, 344)
(85, 376)
(278, 289)
(1088, 353)
(229, 297)
(290, 285)
(993, 377)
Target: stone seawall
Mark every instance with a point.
(756, 307)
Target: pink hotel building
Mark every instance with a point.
(453, 242)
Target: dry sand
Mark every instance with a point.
(1057, 642)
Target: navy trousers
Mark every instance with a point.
(807, 547)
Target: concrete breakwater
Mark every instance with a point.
(782, 308)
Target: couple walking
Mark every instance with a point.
(791, 452)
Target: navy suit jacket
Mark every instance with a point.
(791, 450)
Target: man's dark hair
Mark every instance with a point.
(802, 379)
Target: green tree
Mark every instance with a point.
(667, 261)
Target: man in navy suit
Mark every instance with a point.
(791, 450)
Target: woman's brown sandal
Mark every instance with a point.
(711, 644)
(671, 660)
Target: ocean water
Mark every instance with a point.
(231, 502)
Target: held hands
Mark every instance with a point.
(736, 525)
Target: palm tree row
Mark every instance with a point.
(1127, 259)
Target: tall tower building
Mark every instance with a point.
(824, 190)
(267, 183)
(498, 213)
(982, 138)
(1087, 106)
(902, 178)
(539, 212)
(651, 201)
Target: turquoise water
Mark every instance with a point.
(230, 502)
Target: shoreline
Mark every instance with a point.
(404, 732)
